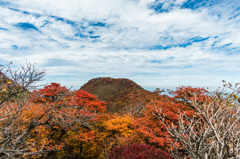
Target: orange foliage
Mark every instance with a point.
(149, 129)
(63, 119)
(74, 123)
(113, 131)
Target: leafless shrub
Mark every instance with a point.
(136, 109)
(214, 132)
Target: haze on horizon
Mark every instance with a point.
(155, 43)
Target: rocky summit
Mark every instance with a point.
(113, 91)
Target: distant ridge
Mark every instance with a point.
(112, 90)
(4, 79)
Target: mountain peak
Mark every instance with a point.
(111, 90)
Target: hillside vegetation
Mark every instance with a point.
(115, 119)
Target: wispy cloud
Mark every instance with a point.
(157, 43)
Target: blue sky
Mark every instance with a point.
(156, 43)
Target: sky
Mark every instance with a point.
(156, 43)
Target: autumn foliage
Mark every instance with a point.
(121, 121)
(70, 117)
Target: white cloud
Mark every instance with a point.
(122, 48)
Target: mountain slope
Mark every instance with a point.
(114, 91)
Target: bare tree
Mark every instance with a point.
(14, 90)
(213, 132)
(135, 109)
